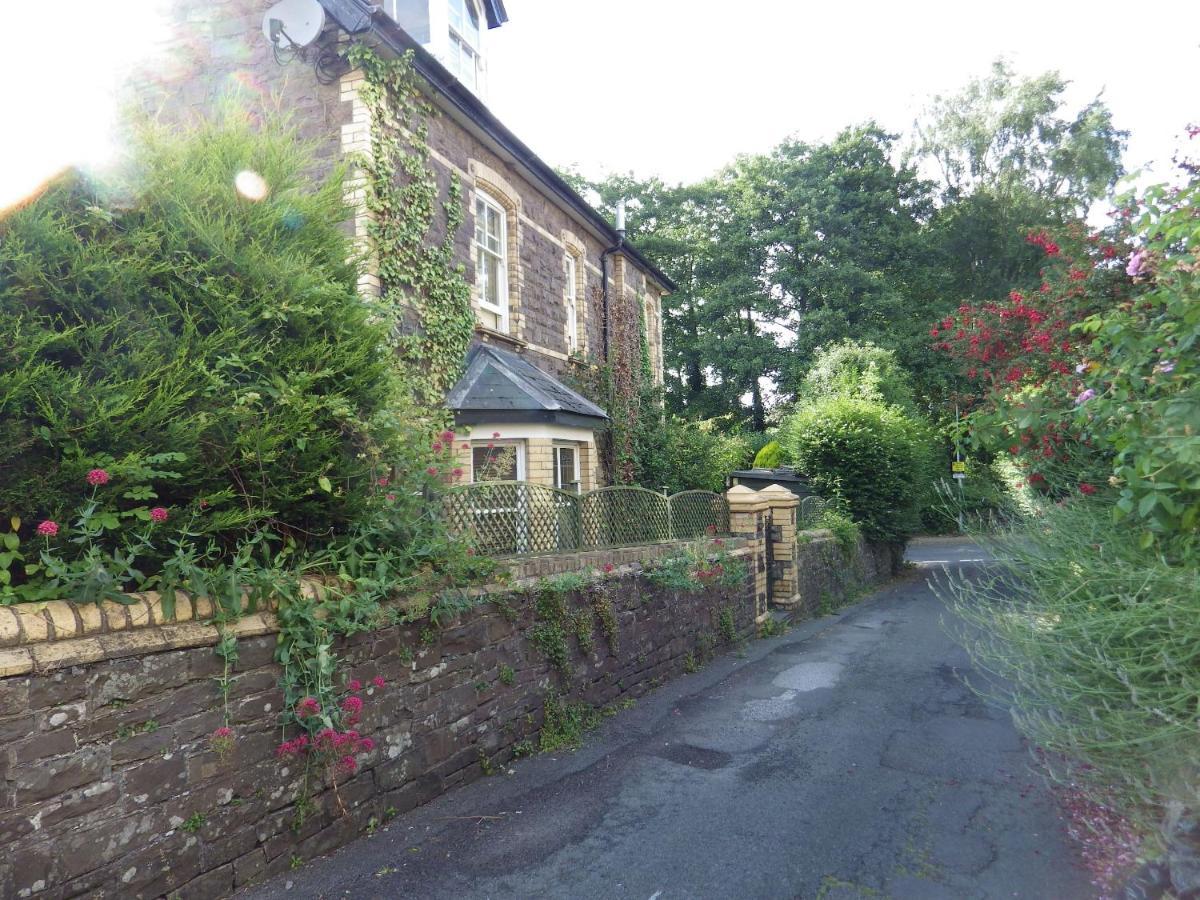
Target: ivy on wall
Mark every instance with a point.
(425, 294)
(624, 386)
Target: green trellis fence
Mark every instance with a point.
(511, 518)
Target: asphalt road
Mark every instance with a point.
(844, 759)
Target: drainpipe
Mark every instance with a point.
(604, 314)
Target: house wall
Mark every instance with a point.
(215, 49)
(218, 47)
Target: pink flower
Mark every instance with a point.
(431, 471)
(352, 704)
(495, 434)
(1085, 488)
(223, 732)
(437, 445)
(378, 681)
(348, 764)
(97, 477)
(466, 446)
(366, 745)
(159, 514)
(309, 706)
(354, 685)
(448, 436)
(383, 482)
(1137, 264)
(458, 473)
(1085, 397)
(391, 496)
(608, 567)
(48, 528)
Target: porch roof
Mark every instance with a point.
(500, 386)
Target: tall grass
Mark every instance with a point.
(1095, 645)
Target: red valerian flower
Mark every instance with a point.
(457, 473)
(432, 470)
(159, 514)
(97, 477)
(309, 706)
(608, 567)
(384, 481)
(47, 528)
(448, 436)
(437, 445)
(354, 685)
(495, 434)
(352, 704)
(1085, 488)
(378, 681)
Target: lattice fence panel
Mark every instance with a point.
(697, 513)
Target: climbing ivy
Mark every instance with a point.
(425, 295)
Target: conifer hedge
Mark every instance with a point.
(163, 311)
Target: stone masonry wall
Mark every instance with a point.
(109, 785)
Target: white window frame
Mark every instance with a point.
(572, 300)
(578, 482)
(459, 45)
(500, 310)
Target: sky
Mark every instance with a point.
(678, 88)
(674, 88)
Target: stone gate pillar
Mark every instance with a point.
(784, 584)
(749, 518)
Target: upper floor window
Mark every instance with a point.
(491, 261)
(464, 42)
(572, 294)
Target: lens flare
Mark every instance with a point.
(251, 185)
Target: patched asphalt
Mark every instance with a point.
(844, 759)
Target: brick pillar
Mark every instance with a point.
(784, 574)
(749, 517)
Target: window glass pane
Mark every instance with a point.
(494, 463)
(472, 24)
(564, 475)
(456, 15)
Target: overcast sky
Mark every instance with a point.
(674, 88)
(678, 88)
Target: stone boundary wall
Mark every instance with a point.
(110, 785)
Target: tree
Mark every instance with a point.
(1012, 159)
(846, 257)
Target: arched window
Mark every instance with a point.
(572, 298)
(491, 261)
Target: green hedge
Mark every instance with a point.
(871, 457)
(167, 313)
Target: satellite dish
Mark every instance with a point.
(291, 24)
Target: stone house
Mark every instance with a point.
(545, 267)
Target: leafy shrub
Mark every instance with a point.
(843, 528)
(696, 456)
(871, 457)
(168, 313)
(857, 369)
(770, 456)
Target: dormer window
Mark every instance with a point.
(463, 49)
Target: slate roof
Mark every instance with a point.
(500, 386)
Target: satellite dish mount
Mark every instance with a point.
(291, 26)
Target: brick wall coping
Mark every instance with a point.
(43, 637)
